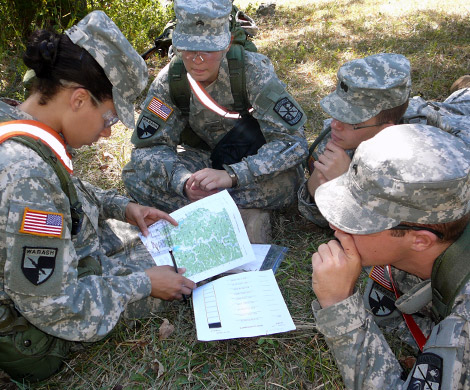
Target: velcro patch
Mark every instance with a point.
(288, 111)
(427, 372)
(42, 223)
(381, 301)
(146, 128)
(38, 264)
(159, 108)
(378, 274)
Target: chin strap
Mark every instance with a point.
(416, 332)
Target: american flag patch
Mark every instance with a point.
(377, 274)
(42, 223)
(159, 108)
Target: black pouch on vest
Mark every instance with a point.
(242, 141)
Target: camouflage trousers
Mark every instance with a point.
(148, 183)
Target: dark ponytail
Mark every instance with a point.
(55, 57)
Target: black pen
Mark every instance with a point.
(176, 267)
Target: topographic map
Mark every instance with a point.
(210, 238)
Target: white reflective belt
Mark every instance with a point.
(210, 103)
(18, 129)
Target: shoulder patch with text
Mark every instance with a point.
(427, 372)
(42, 223)
(288, 111)
(146, 128)
(38, 264)
(159, 108)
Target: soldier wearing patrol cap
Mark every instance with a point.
(371, 94)
(68, 273)
(403, 207)
(169, 175)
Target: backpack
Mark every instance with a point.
(450, 273)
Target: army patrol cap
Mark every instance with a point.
(202, 25)
(124, 67)
(406, 173)
(367, 86)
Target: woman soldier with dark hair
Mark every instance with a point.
(67, 273)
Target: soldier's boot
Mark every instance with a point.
(460, 83)
(258, 225)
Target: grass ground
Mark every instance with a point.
(307, 41)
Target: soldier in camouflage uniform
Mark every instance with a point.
(59, 283)
(372, 94)
(403, 205)
(168, 175)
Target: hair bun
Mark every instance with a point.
(41, 52)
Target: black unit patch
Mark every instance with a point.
(38, 264)
(427, 373)
(288, 111)
(381, 300)
(146, 128)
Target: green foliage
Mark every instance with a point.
(141, 21)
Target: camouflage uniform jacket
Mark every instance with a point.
(452, 115)
(280, 117)
(306, 204)
(62, 305)
(366, 360)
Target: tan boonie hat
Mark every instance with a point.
(406, 173)
(367, 86)
(202, 25)
(124, 67)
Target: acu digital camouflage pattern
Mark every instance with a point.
(367, 86)
(406, 173)
(202, 25)
(158, 171)
(124, 67)
(65, 306)
(451, 115)
(366, 361)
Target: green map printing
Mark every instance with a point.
(203, 240)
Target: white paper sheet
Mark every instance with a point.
(210, 238)
(241, 305)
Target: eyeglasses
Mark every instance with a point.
(109, 117)
(356, 127)
(417, 228)
(205, 56)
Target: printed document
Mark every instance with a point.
(246, 304)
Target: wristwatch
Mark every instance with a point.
(232, 174)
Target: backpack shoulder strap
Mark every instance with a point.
(236, 65)
(450, 272)
(180, 93)
(59, 168)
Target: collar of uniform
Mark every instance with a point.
(416, 298)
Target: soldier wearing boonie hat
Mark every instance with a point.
(404, 204)
(73, 265)
(371, 94)
(165, 171)
(124, 67)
